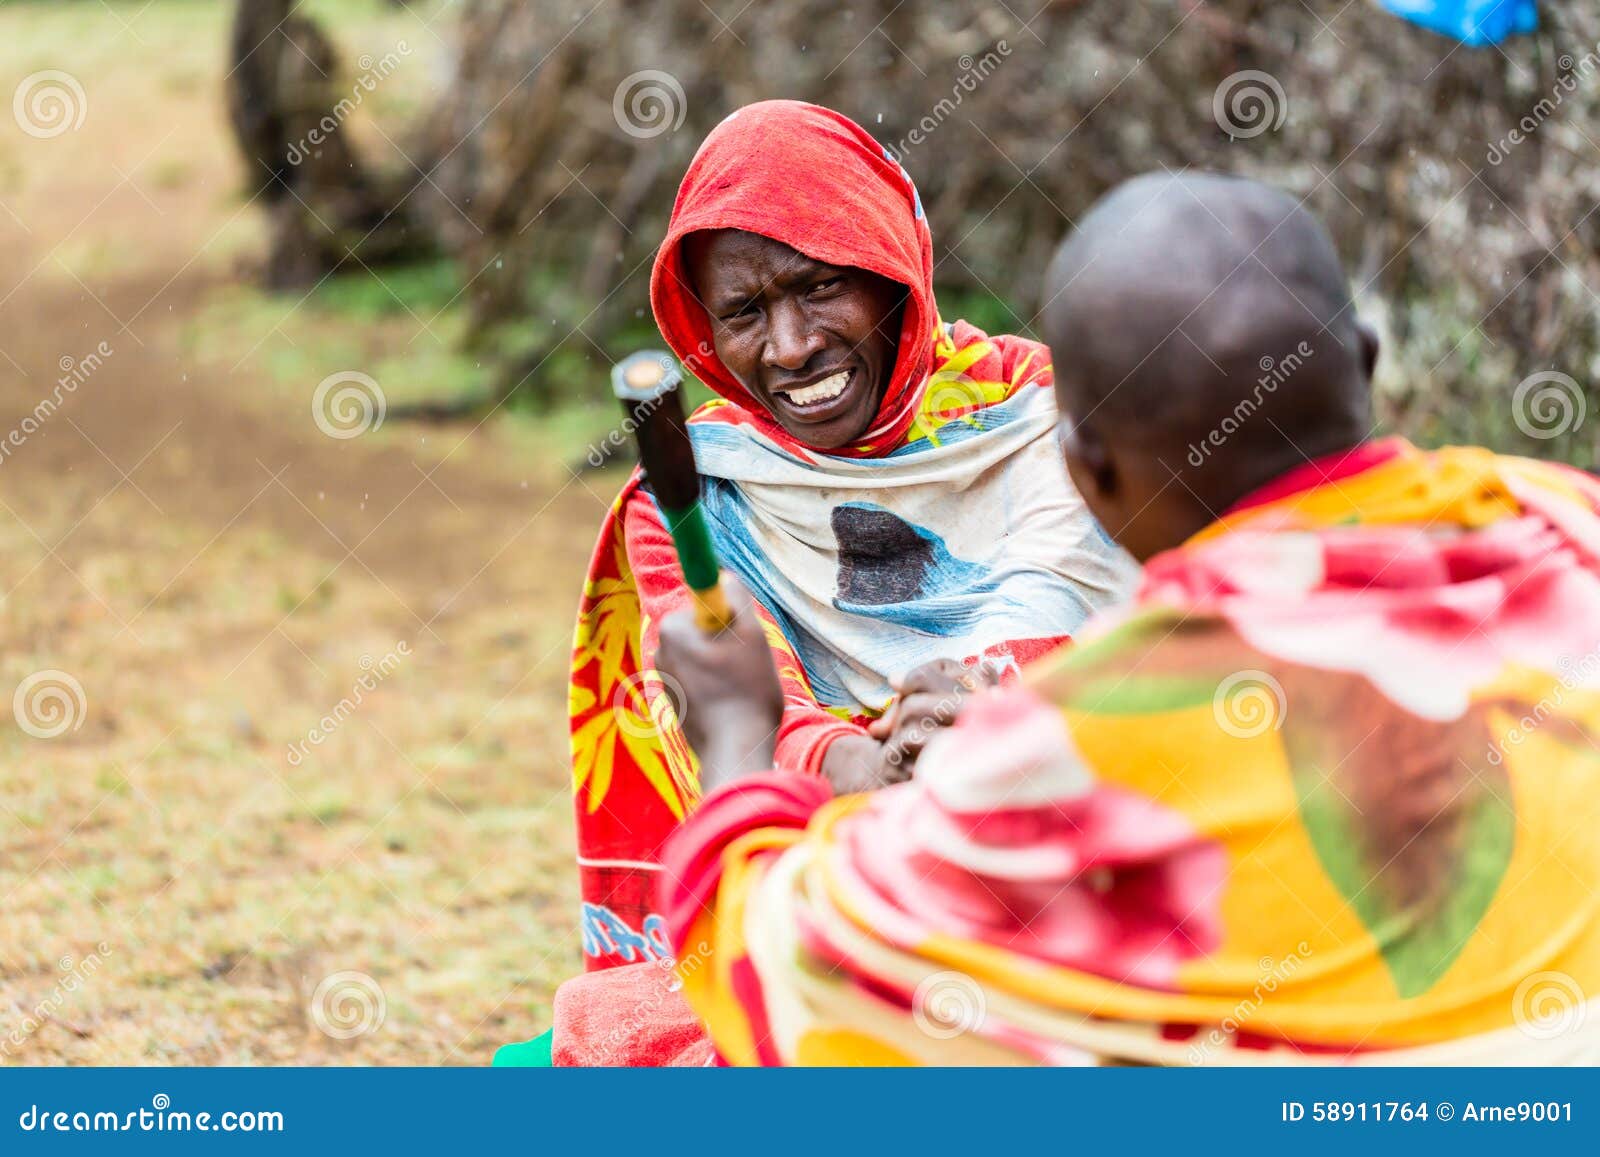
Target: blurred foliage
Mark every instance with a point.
(1476, 257)
(421, 288)
(1480, 274)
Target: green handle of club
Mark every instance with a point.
(696, 555)
(698, 559)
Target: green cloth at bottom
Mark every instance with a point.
(533, 1054)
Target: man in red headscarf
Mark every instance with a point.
(885, 484)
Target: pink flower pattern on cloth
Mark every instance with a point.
(1005, 838)
(1426, 614)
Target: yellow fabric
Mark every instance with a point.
(1400, 884)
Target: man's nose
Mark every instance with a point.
(791, 339)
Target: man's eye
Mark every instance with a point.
(748, 309)
(826, 284)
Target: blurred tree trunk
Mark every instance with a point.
(287, 101)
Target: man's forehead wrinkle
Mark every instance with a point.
(796, 264)
(749, 276)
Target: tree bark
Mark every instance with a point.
(287, 101)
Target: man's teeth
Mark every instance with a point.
(830, 387)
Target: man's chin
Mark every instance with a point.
(831, 433)
(821, 437)
(845, 430)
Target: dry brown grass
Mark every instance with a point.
(212, 570)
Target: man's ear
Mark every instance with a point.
(1368, 337)
(1089, 459)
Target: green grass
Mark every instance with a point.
(425, 288)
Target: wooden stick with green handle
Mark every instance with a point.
(648, 383)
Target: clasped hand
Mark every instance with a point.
(730, 703)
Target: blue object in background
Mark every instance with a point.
(1476, 22)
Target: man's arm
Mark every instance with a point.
(807, 738)
(732, 700)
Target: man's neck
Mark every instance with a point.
(1296, 468)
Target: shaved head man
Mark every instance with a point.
(1205, 343)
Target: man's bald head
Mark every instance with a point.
(1204, 343)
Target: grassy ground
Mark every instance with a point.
(178, 882)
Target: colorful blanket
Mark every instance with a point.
(951, 531)
(854, 587)
(1329, 788)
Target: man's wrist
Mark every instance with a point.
(735, 749)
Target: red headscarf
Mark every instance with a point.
(818, 182)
